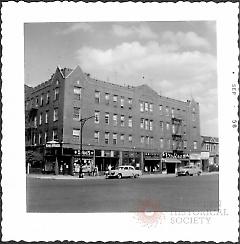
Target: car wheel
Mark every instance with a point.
(187, 173)
(136, 176)
(119, 176)
(198, 173)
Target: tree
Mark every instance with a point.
(34, 158)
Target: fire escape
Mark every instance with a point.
(177, 136)
(30, 126)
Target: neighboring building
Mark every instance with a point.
(210, 152)
(131, 125)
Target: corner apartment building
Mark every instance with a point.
(130, 125)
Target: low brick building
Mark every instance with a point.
(130, 125)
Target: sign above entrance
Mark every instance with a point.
(53, 144)
(174, 155)
(85, 153)
(149, 155)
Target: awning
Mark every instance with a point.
(171, 160)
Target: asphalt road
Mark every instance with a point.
(197, 193)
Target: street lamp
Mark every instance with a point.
(82, 122)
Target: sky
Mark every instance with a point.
(176, 59)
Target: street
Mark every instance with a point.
(197, 193)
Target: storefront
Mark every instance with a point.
(152, 162)
(87, 161)
(205, 161)
(104, 159)
(195, 159)
(170, 162)
(131, 158)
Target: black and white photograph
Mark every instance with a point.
(122, 120)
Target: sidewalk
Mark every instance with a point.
(87, 177)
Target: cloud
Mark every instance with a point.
(77, 27)
(188, 39)
(142, 31)
(166, 69)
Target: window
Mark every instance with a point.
(114, 138)
(130, 101)
(35, 121)
(48, 98)
(77, 93)
(41, 100)
(96, 136)
(193, 116)
(160, 109)
(141, 107)
(56, 93)
(34, 138)
(55, 135)
(46, 137)
(146, 106)
(36, 101)
(106, 137)
(151, 107)
(40, 119)
(150, 125)
(167, 111)
(161, 143)
(167, 126)
(122, 102)
(172, 112)
(142, 123)
(115, 98)
(76, 113)
(169, 143)
(107, 97)
(46, 117)
(147, 140)
(142, 139)
(130, 138)
(57, 82)
(40, 138)
(115, 119)
(76, 134)
(55, 114)
(146, 124)
(185, 144)
(130, 121)
(173, 129)
(122, 120)
(194, 145)
(161, 125)
(97, 97)
(122, 138)
(97, 117)
(151, 140)
(107, 118)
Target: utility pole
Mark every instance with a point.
(82, 122)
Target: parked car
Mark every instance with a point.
(189, 170)
(123, 171)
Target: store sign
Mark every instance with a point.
(152, 155)
(85, 153)
(195, 156)
(53, 145)
(175, 155)
(204, 155)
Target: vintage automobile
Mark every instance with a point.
(189, 170)
(123, 171)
